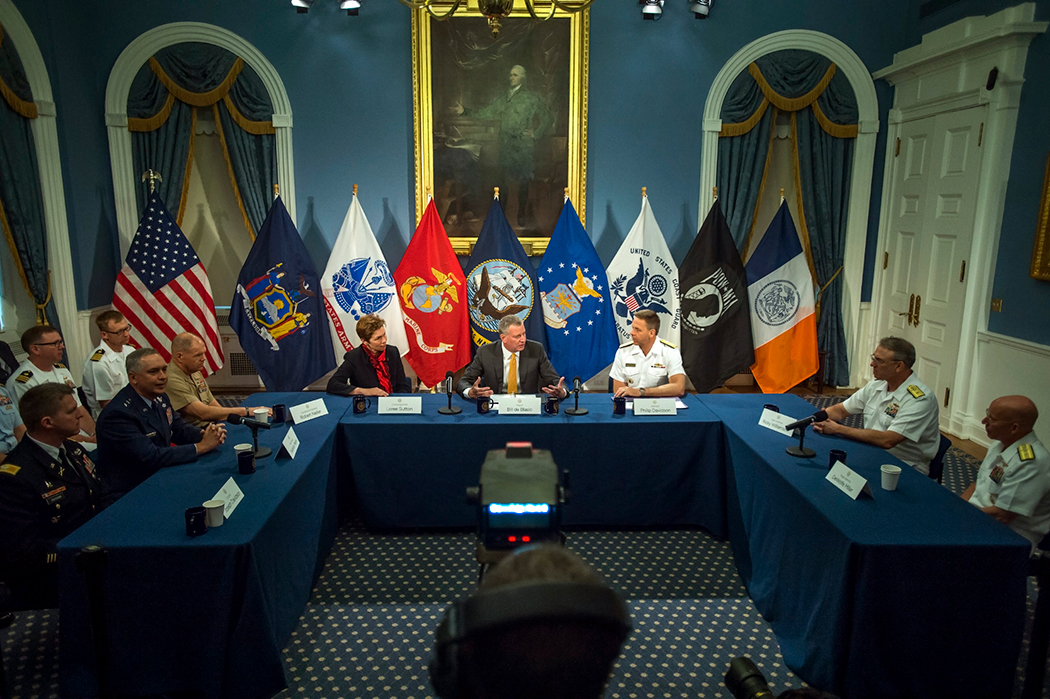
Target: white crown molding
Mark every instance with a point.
(863, 157)
(127, 66)
(45, 137)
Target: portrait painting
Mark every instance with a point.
(500, 112)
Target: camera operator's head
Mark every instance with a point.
(543, 625)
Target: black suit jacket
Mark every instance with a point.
(357, 371)
(534, 369)
(134, 441)
(42, 500)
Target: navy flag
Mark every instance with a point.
(716, 324)
(574, 292)
(277, 310)
(501, 282)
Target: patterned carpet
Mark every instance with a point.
(367, 630)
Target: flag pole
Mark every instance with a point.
(781, 195)
(714, 193)
(355, 190)
(428, 192)
(276, 190)
(154, 177)
(644, 195)
(495, 193)
(566, 195)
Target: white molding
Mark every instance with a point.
(127, 66)
(1033, 348)
(970, 48)
(45, 137)
(863, 156)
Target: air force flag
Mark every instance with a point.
(277, 311)
(643, 275)
(357, 281)
(581, 329)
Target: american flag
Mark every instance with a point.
(163, 290)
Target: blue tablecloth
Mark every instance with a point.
(413, 470)
(910, 593)
(208, 614)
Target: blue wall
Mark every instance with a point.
(349, 81)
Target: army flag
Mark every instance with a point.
(501, 282)
(574, 293)
(357, 282)
(277, 311)
(433, 298)
(783, 322)
(716, 326)
(643, 275)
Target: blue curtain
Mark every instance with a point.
(20, 191)
(187, 76)
(824, 132)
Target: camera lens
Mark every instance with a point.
(745, 681)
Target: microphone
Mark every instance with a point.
(577, 385)
(448, 382)
(449, 409)
(819, 416)
(247, 422)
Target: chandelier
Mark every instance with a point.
(495, 10)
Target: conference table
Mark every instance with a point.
(907, 593)
(207, 614)
(413, 470)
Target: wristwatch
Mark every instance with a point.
(641, 393)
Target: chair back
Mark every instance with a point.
(8, 363)
(937, 465)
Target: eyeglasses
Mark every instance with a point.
(56, 343)
(119, 331)
(880, 362)
(989, 418)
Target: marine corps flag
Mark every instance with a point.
(716, 326)
(277, 310)
(574, 291)
(357, 282)
(433, 296)
(501, 282)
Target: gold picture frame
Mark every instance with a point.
(1041, 248)
(465, 140)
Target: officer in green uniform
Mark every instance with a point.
(48, 488)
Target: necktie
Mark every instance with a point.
(512, 378)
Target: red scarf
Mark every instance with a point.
(379, 364)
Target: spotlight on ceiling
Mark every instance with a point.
(302, 6)
(700, 8)
(653, 9)
(351, 6)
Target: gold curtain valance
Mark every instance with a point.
(790, 104)
(199, 99)
(20, 106)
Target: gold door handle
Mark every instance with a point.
(911, 310)
(918, 304)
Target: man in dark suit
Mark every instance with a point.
(48, 488)
(137, 429)
(512, 365)
(373, 368)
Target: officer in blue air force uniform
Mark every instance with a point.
(139, 433)
(48, 488)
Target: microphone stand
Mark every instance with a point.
(260, 452)
(577, 410)
(451, 409)
(801, 450)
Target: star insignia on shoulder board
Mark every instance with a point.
(98, 355)
(24, 376)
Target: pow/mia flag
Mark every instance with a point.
(716, 325)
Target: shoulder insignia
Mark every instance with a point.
(59, 365)
(99, 354)
(1026, 452)
(24, 376)
(672, 346)
(626, 345)
(10, 469)
(915, 391)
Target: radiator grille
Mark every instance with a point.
(241, 365)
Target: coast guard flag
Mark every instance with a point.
(357, 282)
(433, 297)
(716, 327)
(574, 292)
(783, 322)
(163, 290)
(643, 275)
(501, 282)
(277, 311)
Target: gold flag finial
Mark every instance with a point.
(643, 192)
(276, 190)
(781, 194)
(714, 192)
(495, 192)
(153, 177)
(355, 190)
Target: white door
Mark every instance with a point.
(933, 199)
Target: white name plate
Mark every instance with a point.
(775, 421)
(655, 406)
(308, 410)
(848, 481)
(290, 444)
(519, 405)
(400, 405)
(231, 494)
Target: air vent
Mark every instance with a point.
(223, 319)
(240, 365)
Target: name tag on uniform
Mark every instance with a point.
(400, 405)
(655, 406)
(519, 405)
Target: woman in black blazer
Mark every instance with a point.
(372, 368)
